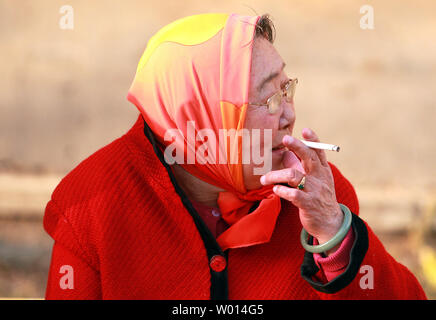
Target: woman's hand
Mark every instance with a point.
(320, 213)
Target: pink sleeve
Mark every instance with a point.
(333, 265)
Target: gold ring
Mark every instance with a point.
(301, 184)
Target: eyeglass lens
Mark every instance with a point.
(276, 100)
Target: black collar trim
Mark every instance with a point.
(219, 280)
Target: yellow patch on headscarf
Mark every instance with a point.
(191, 30)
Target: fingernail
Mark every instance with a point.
(262, 179)
(289, 139)
(275, 188)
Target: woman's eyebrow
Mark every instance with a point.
(270, 77)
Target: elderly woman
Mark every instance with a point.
(175, 209)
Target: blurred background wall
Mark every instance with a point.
(63, 96)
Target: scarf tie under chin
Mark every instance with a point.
(247, 229)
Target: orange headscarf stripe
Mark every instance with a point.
(234, 118)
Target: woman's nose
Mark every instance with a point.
(287, 117)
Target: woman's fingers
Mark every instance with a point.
(298, 197)
(310, 135)
(292, 177)
(309, 158)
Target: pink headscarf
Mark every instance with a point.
(198, 69)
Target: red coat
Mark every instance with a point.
(125, 230)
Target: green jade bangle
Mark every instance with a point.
(339, 236)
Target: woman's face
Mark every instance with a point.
(266, 64)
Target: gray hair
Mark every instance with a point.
(265, 28)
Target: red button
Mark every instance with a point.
(218, 263)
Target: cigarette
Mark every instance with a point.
(319, 145)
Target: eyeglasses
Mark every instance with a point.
(273, 103)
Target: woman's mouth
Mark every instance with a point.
(279, 148)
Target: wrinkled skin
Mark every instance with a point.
(319, 211)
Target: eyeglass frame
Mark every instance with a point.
(282, 93)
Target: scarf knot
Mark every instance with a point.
(248, 229)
